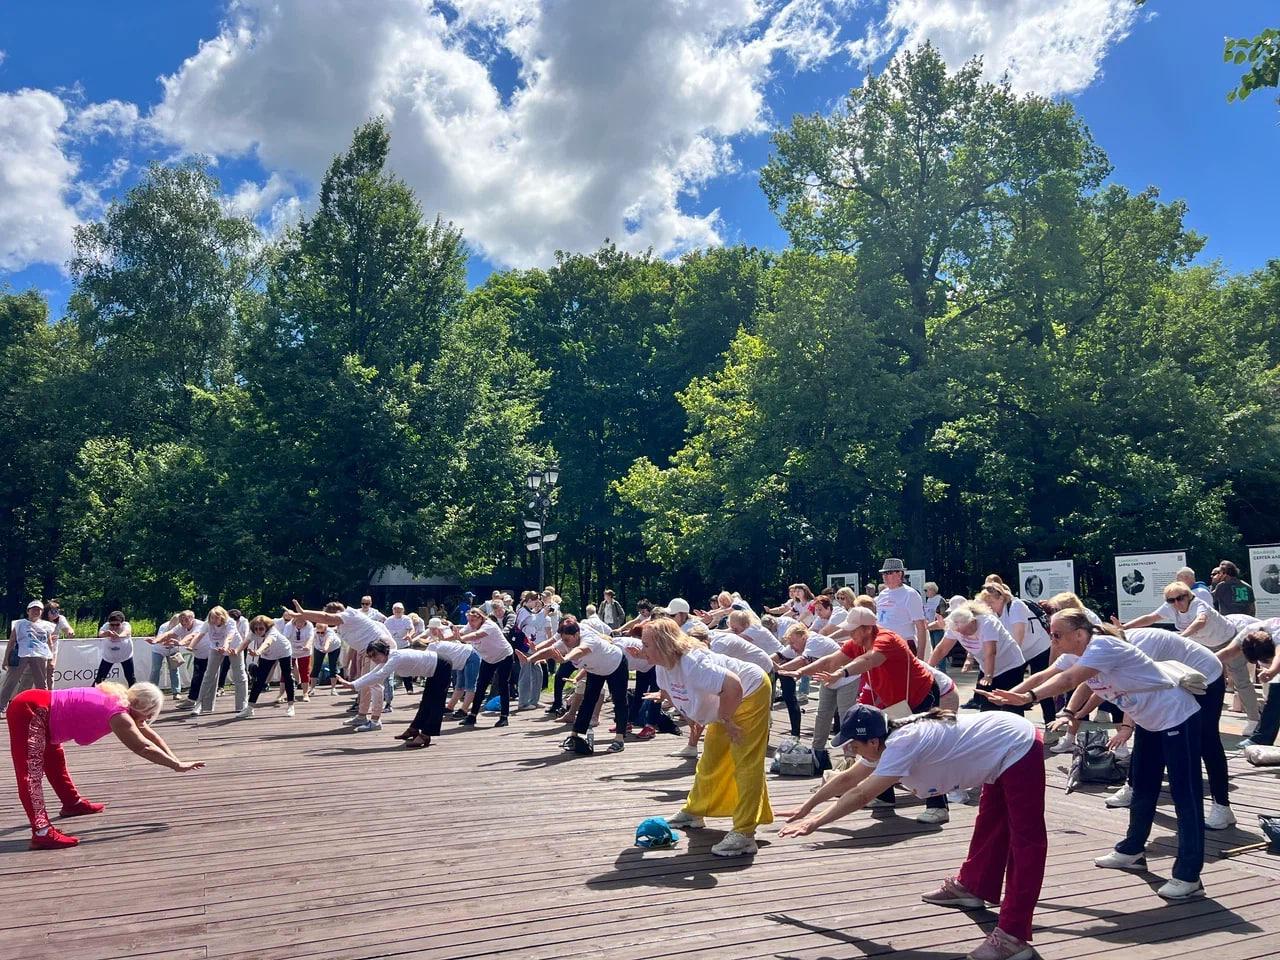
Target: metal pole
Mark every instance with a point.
(542, 549)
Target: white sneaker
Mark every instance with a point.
(196, 710)
(1115, 860)
(735, 845)
(686, 820)
(289, 712)
(688, 750)
(1219, 817)
(933, 815)
(1181, 890)
(958, 797)
(355, 721)
(1065, 744)
(1250, 729)
(245, 714)
(388, 709)
(369, 726)
(1121, 798)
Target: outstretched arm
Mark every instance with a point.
(126, 730)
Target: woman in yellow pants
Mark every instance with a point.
(733, 699)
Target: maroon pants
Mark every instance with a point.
(35, 758)
(1010, 843)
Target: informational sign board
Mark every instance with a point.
(1264, 569)
(1043, 578)
(916, 578)
(1141, 579)
(838, 580)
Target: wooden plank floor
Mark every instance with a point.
(303, 841)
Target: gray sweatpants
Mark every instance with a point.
(31, 673)
(1238, 667)
(239, 681)
(829, 702)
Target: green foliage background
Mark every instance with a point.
(975, 351)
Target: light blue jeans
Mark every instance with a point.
(159, 660)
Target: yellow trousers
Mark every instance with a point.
(730, 780)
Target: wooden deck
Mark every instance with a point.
(300, 841)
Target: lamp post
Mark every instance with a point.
(540, 484)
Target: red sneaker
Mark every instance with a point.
(646, 733)
(82, 808)
(55, 839)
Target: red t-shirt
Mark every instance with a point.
(887, 684)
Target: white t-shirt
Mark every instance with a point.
(898, 610)
(453, 653)
(398, 627)
(762, 638)
(1217, 631)
(360, 629)
(633, 650)
(373, 613)
(784, 624)
(491, 644)
(400, 663)
(598, 625)
(931, 605)
(816, 647)
(35, 637)
(117, 650)
(602, 656)
(740, 648)
(1122, 667)
(1035, 640)
(1204, 594)
(990, 630)
(695, 682)
(1166, 645)
(210, 638)
(299, 637)
(944, 682)
(278, 645)
(930, 757)
(326, 642)
(242, 627)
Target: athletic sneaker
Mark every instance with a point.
(686, 820)
(1064, 744)
(1219, 817)
(53, 839)
(1115, 860)
(196, 710)
(934, 815)
(369, 726)
(289, 712)
(646, 733)
(186, 704)
(1121, 798)
(735, 844)
(1002, 946)
(355, 721)
(1181, 890)
(458, 714)
(958, 797)
(617, 747)
(688, 750)
(388, 709)
(951, 894)
(245, 714)
(82, 808)
(467, 721)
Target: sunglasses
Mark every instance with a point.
(258, 629)
(1179, 599)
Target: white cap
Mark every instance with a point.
(35, 603)
(859, 617)
(957, 600)
(678, 605)
(436, 624)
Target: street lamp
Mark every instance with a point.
(540, 484)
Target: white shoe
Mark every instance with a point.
(1250, 729)
(933, 815)
(355, 721)
(196, 710)
(289, 712)
(688, 750)
(245, 714)
(1065, 744)
(686, 820)
(388, 709)
(369, 726)
(735, 845)
(1181, 890)
(1115, 860)
(1121, 798)
(1219, 817)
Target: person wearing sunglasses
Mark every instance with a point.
(117, 647)
(1097, 659)
(272, 648)
(1194, 618)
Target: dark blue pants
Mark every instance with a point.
(1215, 757)
(645, 711)
(1178, 750)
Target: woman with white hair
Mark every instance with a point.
(40, 721)
(975, 627)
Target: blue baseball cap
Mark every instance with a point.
(655, 833)
(861, 722)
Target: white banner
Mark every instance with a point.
(78, 663)
(838, 580)
(1141, 579)
(1264, 569)
(1042, 579)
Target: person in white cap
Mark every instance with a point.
(678, 609)
(28, 657)
(900, 609)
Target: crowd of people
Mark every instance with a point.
(880, 668)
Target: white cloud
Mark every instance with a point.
(622, 110)
(1045, 46)
(37, 181)
(114, 118)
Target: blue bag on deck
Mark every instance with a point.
(494, 703)
(655, 834)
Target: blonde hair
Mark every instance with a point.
(740, 620)
(866, 601)
(671, 641)
(996, 590)
(1177, 589)
(994, 578)
(846, 596)
(117, 690)
(220, 613)
(798, 628)
(699, 630)
(1067, 601)
(142, 698)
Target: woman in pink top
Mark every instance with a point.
(40, 721)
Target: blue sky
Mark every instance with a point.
(271, 108)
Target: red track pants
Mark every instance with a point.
(35, 758)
